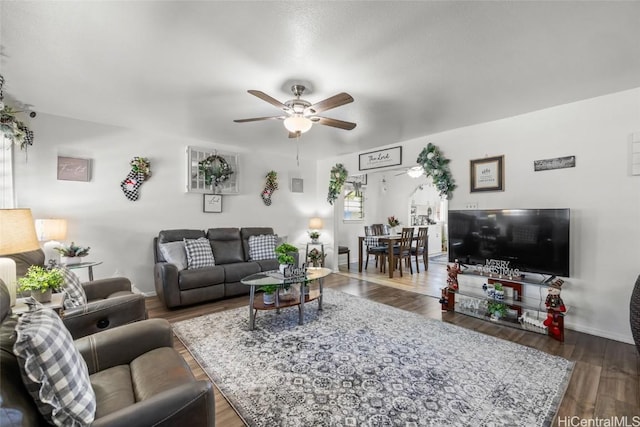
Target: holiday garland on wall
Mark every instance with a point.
(12, 128)
(337, 180)
(436, 166)
(215, 169)
(270, 187)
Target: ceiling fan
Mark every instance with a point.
(300, 114)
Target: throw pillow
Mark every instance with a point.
(52, 369)
(174, 253)
(262, 247)
(76, 296)
(199, 253)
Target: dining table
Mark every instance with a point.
(389, 240)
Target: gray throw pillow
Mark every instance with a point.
(262, 247)
(174, 253)
(52, 369)
(76, 296)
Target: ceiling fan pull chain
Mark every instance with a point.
(298, 149)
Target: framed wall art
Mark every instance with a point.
(381, 158)
(297, 185)
(212, 203)
(557, 163)
(357, 179)
(73, 169)
(487, 174)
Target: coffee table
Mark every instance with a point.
(273, 278)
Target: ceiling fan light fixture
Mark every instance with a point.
(297, 123)
(415, 172)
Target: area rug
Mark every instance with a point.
(361, 363)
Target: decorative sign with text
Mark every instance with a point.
(497, 267)
(381, 158)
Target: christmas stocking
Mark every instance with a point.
(131, 185)
(141, 170)
(270, 187)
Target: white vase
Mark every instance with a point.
(269, 298)
(42, 297)
(70, 260)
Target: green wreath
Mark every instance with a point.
(436, 166)
(337, 180)
(215, 169)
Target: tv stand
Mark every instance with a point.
(523, 311)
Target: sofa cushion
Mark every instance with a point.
(76, 297)
(239, 270)
(178, 235)
(262, 247)
(158, 370)
(174, 253)
(201, 277)
(113, 388)
(226, 244)
(199, 253)
(247, 232)
(52, 369)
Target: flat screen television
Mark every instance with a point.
(530, 240)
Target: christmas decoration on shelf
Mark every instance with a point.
(555, 309)
(12, 128)
(337, 180)
(140, 172)
(215, 170)
(270, 187)
(436, 166)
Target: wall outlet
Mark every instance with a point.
(472, 205)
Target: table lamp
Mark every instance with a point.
(17, 235)
(50, 231)
(315, 224)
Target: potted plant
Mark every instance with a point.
(393, 223)
(40, 282)
(316, 257)
(284, 253)
(269, 296)
(497, 310)
(72, 254)
(314, 236)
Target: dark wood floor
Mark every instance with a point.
(605, 381)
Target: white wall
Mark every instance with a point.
(603, 197)
(119, 231)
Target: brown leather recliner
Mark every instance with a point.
(137, 376)
(110, 303)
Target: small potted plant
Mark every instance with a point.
(284, 253)
(316, 257)
(269, 296)
(314, 236)
(393, 223)
(72, 254)
(497, 310)
(40, 282)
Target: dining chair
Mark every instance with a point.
(421, 249)
(376, 250)
(378, 229)
(403, 250)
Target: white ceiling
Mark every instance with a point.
(414, 68)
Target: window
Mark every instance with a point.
(353, 204)
(6, 173)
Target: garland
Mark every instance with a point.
(12, 128)
(215, 169)
(338, 178)
(141, 165)
(436, 166)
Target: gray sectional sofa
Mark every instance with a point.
(178, 286)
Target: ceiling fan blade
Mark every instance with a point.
(268, 98)
(329, 103)
(255, 119)
(333, 122)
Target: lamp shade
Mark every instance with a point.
(51, 229)
(17, 231)
(315, 223)
(297, 123)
